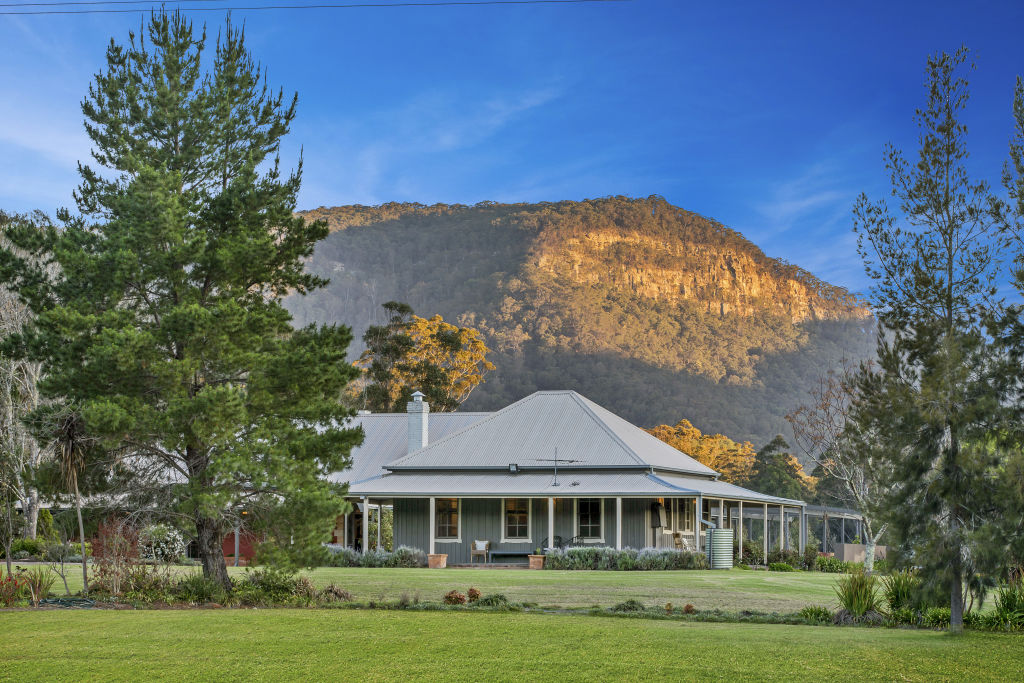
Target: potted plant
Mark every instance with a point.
(437, 560)
(537, 559)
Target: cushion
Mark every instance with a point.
(480, 545)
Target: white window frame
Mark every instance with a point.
(529, 521)
(576, 520)
(458, 521)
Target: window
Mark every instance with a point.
(516, 518)
(447, 518)
(588, 517)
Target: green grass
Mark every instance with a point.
(733, 590)
(277, 645)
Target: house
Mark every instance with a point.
(551, 469)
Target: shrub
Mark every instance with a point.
(630, 605)
(20, 554)
(454, 597)
(743, 565)
(902, 589)
(858, 596)
(689, 609)
(829, 565)
(902, 616)
(305, 590)
(332, 592)
(12, 587)
(1009, 605)
(146, 583)
(404, 556)
(493, 600)
(780, 567)
(29, 547)
(266, 586)
(791, 557)
(473, 595)
(604, 558)
(810, 558)
(815, 614)
(668, 608)
(753, 552)
(881, 565)
(196, 589)
(161, 543)
(935, 617)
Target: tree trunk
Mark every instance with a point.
(32, 514)
(211, 551)
(869, 550)
(956, 597)
(81, 539)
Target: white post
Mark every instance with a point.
(618, 524)
(766, 534)
(782, 527)
(433, 513)
(739, 532)
(344, 532)
(551, 523)
(380, 523)
(803, 529)
(366, 525)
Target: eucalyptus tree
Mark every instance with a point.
(162, 321)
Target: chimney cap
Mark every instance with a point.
(418, 395)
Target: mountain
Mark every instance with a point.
(655, 312)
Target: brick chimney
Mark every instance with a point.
(419, 412)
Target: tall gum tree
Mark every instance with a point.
(165, 326)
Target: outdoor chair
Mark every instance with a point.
(682, 542)
(480, 549)
(559, 544)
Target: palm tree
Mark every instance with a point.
(71, 444)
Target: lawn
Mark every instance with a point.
(733, 590)
(386, 645)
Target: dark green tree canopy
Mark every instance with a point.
(777, 472)
(163, 324)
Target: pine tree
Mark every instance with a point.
(777, 472)
(164, 326)
(933, 263)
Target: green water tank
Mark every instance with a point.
(718, 545)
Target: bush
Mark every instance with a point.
(493, 600)
(858, 596)
(161, 543)
(403, 556)
(454, 597)
(791, 557)
(689, 609)
(28, 547)
(334, 593)
(815, 614)
(39, 581)
(1009, 605)
(20, 554)
(780, 567)
(630, 605)
(902, 589)
(473, 595)
(935, 617)
(810, 558)
(196, 589)
(604, 558)
(902, 616)
(753, 552)
(12, 588)
(829, 565)
(267, 586)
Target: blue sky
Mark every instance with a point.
(769, 117)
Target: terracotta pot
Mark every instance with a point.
(437, 561)
(536, 561)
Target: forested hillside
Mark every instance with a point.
(656, 312)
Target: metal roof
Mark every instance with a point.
(531, 431)
(571, 484)
(386, 439)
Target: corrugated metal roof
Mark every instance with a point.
(386, 438)
(572, 484)
(530, 431)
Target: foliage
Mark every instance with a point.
(638, 304)
(780, 567)
(402, 556)
(777, 472)
(454, 597)
(816, 614)
(733, 460)
(266, 586)
(902, 590)
(332, 592)
(115, 550)
(197, 589)
(493, 600)
(12, 587)
(473, 595)
(161, 322)
(753, 551)
(935, 617)
(162, 543)
(830, 565)
(39, 581)
(1009, 605)
(410, 353)
(858, 595)
(790, 557)
(628, 559)
(631, 605)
